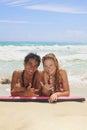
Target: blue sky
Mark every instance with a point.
(43, 20)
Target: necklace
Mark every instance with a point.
(22, 77)
(51, 83)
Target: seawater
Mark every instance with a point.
(71, 56)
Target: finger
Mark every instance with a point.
(29, 86)
(36, 90)
(36, 95)
(42, 84)
(53, 99)
(32, 90)
(50, 100)
(18, 81)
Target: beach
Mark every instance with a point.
(42, 27)
(34, 115)
(30, 115)
(44, 116)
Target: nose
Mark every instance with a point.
(33, 67)
(49, 69)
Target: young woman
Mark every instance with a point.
(54, 80)
(26, 82)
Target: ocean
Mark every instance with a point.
(71, 56)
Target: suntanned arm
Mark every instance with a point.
(66, 89)
(16, 84)
(45, 89)
(65, 83)
(17, 89)
(36, 83)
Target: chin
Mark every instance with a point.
(30, 73)
(52, 73)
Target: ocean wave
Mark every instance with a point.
(71, 57)
(11, 52)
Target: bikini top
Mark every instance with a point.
(56, 88)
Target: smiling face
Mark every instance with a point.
(31, 66)
(49, 66)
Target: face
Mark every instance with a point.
(31, 66)
(49, 66)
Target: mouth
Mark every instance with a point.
(30, 72)
(51, 72)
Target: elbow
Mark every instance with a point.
(12, 94)
(68, 93)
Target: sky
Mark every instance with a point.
(43, 20)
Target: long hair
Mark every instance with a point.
(57, 75)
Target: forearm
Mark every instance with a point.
(26, 92)
(15, 93)
(64, 93)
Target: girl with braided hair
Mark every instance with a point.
(54, 80)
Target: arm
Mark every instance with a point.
(36, 83)
(65, 83)
(45, 89)
(16, 88)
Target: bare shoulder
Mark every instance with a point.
(17, 73)
(39, 74)
(63, 71)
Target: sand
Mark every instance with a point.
(43, 116)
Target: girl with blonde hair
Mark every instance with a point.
(54, 80)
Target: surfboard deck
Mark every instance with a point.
(39, 99)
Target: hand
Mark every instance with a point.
(31, 91)
(18, 87)
(53, 98)
(46, 90)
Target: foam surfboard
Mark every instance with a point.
(39, 99)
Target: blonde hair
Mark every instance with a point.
(57, 75)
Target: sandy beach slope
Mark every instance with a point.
(43, 116)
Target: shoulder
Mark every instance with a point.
(62, 71)
(17, 73)
(42, 73)
(39, 75)
(39, 72)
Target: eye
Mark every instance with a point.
(30, 64)
(35, 66)
(50, 64)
